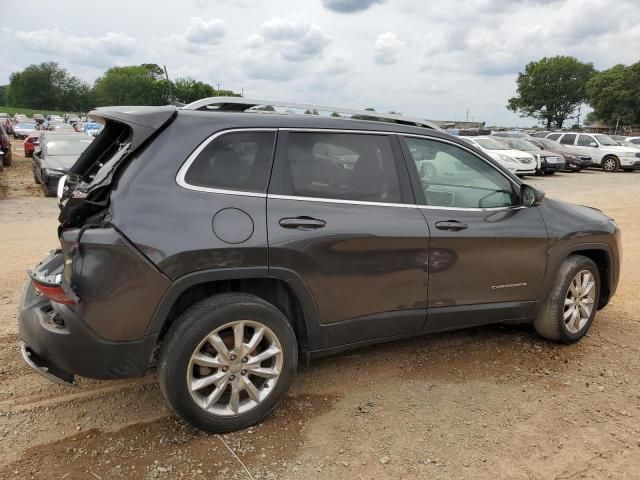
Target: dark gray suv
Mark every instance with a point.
(227, 245)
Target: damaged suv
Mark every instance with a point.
(227, 245)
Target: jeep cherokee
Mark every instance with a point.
(226, 245)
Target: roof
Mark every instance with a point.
(241, 104)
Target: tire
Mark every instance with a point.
(7, 159)
(36, 179)
(549, 322)
(177, 369)
(610, 164)
(46, 191)
(550, 173)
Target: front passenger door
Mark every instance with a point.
(487, 254)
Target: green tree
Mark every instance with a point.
(551, 89)
(591, 118)
(45, 86)
(3, 94)
(133, 85)
(187, 90)
(614, 94)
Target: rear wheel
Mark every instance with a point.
(6, 159)
(227, 362)
(610, 164)
(571, 305)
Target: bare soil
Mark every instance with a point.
(493, 402)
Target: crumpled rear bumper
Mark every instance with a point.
(64, 345)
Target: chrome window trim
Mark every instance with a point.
(180, 177)
(340, 201)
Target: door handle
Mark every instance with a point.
(302, 223)
(451, 226)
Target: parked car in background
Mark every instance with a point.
(627, 143)
(54, 156)
(5, 146)
(508, 134)
(30, 143)
(39, 118)
(20, 117)
(572, 161)
(603, 150)
(540, 134)
(634, 140)
(547, 162)
(517, 162)
(21, 130)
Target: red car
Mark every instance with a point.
(31, 142)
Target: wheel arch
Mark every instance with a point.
(601, 255)
(281, 287)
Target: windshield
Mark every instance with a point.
(550, 144)
(67, 146)
(490, 144)
(522, 145)
(605, 140)
(26, 125)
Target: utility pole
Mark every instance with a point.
(467, 114)
(166, 74)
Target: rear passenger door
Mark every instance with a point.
(341, 217)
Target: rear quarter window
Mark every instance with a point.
(234, 161)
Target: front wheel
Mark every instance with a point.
(569, 310)
(227, 362)
(610, 164)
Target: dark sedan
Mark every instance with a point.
(548, 162)
(54, 156)
(574, 162)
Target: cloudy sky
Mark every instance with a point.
(432, 59)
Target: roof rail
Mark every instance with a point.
(241, 104)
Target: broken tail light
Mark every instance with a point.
(55, 293)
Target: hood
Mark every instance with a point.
(515, 153)
(59, 162)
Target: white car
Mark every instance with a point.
(635, 140)
(602, 149)
(516, 161)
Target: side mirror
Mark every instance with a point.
(593, 144)
(529, 196)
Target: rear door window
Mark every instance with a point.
(568, 139)
(585, 141)
(359, 167)
(554, 136)
(234, 161)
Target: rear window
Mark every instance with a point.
(235, 161)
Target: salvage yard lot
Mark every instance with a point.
(493, 402)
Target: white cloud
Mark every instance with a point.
(199, 35)
(95, 51)
(386, 49)
(282, 44)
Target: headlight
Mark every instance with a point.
(504, 158)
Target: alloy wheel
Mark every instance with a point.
(609, 164)
(234, 368)
(579, 301)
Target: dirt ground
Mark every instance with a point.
(494, 402)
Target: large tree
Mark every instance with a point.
(614, 94)
(551, 89)
(133, 85)
(46, 86)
